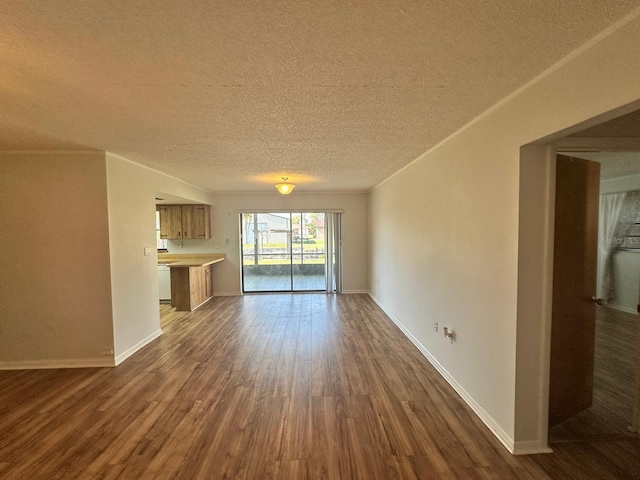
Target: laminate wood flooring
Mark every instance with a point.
(268, 386)
(168, 314)
(614, 382)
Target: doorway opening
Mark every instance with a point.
(603, 320)
(291, 252)
(609, 132)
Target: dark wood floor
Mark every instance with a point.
(615, 365)
(278, 386)
(614, 382)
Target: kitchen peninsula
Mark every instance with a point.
(191, 278)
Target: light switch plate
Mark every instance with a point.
(147, 251)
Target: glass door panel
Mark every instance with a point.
(283, 252)
(266, 252)
(308, 252)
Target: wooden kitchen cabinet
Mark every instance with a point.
(170, 221)
(208, 280)
(191, 278)
(178, 222)
(196, 221)
(191, 287)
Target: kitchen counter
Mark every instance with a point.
(189, 260)
(191, 278)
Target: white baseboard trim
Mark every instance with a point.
(126, 354)
(500, 434)
(355, 292)
(227, 294)
(620, 308)
(530, 447)
(50, 364)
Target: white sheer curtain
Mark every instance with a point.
(333, 252)
(608, 241)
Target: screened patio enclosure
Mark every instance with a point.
(290, 251)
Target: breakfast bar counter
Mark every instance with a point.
(191, 278)
(190, 260)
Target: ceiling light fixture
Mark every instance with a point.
(285, 188)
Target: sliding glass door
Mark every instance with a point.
(285, 252)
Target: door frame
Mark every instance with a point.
(536, 212)
(337, 248)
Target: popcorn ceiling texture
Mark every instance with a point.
(231, 95)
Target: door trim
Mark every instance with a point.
(536, 211)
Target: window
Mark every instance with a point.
(161, 242)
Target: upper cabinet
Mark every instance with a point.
(185, 221)
(196, 221)
(170, 221)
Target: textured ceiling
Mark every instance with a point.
(232, 94)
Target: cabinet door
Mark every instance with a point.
(196, 221)
(208, 272)
(170, 221)
(198, 285)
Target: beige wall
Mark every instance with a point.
(55, 294)
(456, 222)
(132, 190)
(75, 287)
(226, 225)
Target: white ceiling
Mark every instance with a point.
(232, 94)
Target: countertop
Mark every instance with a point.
(189, 259)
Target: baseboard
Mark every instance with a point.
(143, 343)
(487, 419)
(620, 308)
(355, 292)
(227, 294)
(532, 447)
(51, 364)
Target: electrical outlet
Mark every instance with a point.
(435, 326)
(147, 251)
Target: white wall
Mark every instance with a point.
(132, 190)
(225, 226)
(55, 298)
(447, 234)
(622, 184)
(626, 264)
(626, 280)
